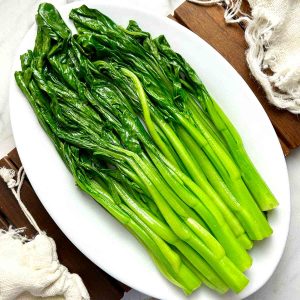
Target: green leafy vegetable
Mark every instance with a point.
(141, 135)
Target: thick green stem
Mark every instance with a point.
(231, 275)
(242, 193)
(211, 216)
(190, 164)
(200, 117)
(229, 201)
(167, 191)
(244, 215)
(216, 154)
(147, 117)
(221, 289)
(161, 229)
(167, 260)
(169, 145)
(262, 194)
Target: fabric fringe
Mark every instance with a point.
(13, 234)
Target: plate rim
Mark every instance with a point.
(174, 24)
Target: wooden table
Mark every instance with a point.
(208, 23)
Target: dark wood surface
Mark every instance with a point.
(99, 284)
(208, 23)
(228, 40)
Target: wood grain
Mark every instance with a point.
(285, 149)
(4, 224)
(99, 284)
(228, 40)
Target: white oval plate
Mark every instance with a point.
(95, 232)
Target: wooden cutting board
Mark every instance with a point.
(208, 23)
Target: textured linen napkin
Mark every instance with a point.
(273, 35)
(30, 268)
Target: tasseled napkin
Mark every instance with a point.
(30, 268)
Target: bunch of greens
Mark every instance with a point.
(141, 135)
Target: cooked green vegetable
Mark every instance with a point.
(140, 134)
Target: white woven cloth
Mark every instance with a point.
(30, 268)
(273, 35)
